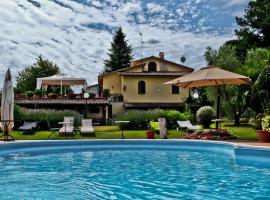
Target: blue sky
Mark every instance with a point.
(75, 34)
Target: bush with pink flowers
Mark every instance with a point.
(211, 135)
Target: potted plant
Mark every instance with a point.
(150, 133)
(264, 134)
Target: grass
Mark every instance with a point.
(244, 132)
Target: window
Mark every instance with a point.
(152, 67)
(175, 89)
(141, 87)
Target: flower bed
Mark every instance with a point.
(222, 134)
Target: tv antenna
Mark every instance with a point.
(141, 43)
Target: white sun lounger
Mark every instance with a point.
(187, 124)
(87, 126)
(68, 125)
(28, 126)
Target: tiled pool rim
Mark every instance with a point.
(243, 151)
(257, 155)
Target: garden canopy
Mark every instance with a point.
(61, 80)
(209, 76)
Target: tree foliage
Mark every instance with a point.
(257, 59)
(261, 96)
(225, 57)
(254, 27)
(120, 53)
(27, 78)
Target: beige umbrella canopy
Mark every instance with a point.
(7, 107)
(210, 76)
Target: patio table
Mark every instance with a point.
(122, 122)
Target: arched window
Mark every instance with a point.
(141, 87)
(152, 67)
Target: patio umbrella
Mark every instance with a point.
(7, 105)
(210, 76)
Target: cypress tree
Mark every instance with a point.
(120, 53)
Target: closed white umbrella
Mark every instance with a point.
(7, 106)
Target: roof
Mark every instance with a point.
(164, 60)
(152, 105)
(152, 73)
(139, 63)
(120, 70)
(61, 101)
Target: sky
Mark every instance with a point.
(76, 34)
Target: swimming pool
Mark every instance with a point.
(133, 169)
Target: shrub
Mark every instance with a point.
(29, 93)
(139, 120)
(172, 116)
(204, 116)
(42, 115)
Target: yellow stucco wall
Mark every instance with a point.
(117, 108)
(113, 82)
(156, 91)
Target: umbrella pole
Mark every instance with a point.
(61, 87)
(218, 106)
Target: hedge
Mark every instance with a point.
(139, 119)
(42, 115)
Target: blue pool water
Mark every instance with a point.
(129, 171)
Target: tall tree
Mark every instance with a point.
(234, 97)
(27, 78)
(120, 53)
(254, 27)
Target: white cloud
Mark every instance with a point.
(61, 34)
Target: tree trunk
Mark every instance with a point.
(237, 118)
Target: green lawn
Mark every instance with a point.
(113, 132)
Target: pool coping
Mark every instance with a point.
(247, 144)
(240, 152)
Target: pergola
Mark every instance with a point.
(61, 80)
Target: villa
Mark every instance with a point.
(141, 86)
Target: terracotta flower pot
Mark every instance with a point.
(150, 134)
(264, 136)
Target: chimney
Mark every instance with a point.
(161, 55)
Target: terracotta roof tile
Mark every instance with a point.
(48, 101)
